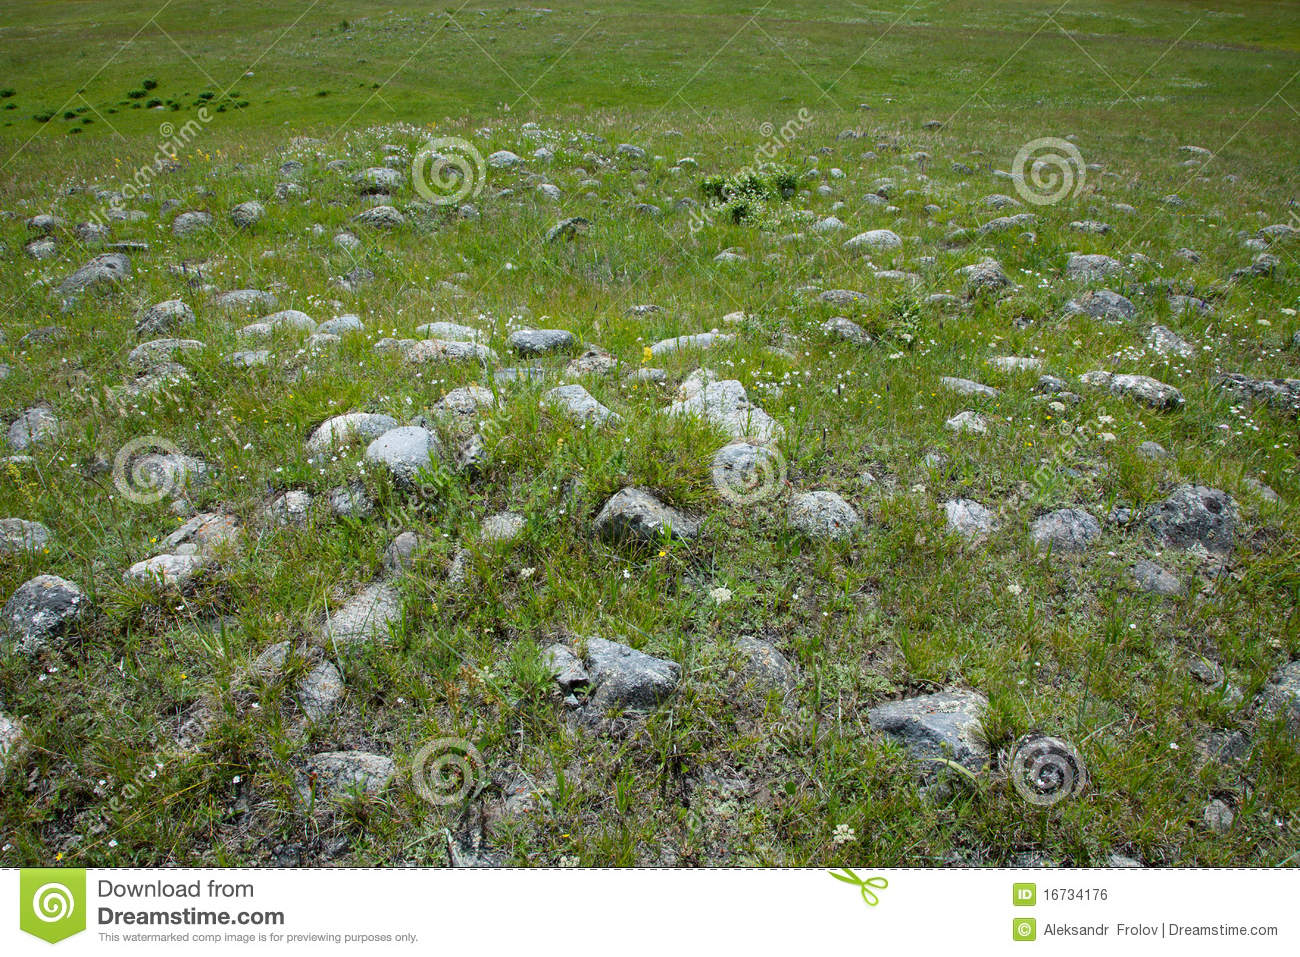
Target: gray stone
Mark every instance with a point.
(1218, 817)
(502, 527)
(1166, 342)
(568, 228)
(290, 508)
(205, 533)
(157, 350)
(320, 691)
(19, 535)
(968, 387)
(452, 331)
(1065, 530)
(11, 741)
(823, 515)
(565, 668)
(969, 518)
(874, 239)
(622, 678)
(191, 223)
(967, 421)
(341, 325)
(349, 427)
(1150, 577)
(534, 342)
(42, 610)
(578, 403)
(400, 555)
(1195, 515)
(247, 214)
(1281, 697)
(244, 300)
(36, 426)
(843, 297)
(1281, 394)
(404, 451)
(636, 516)
(448, 350)
(839, 327)
(1103, 304)
(1091, 266)
(173, 572)
(1141, 388)
(347, 773)
(104, 271)
(725, 404)
(1153, 451)
(985, 278)
(380, 217)
(765, 668)
(365, 616)
(592, 362)
(937, 727)
(702, 340)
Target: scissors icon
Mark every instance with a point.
(868, 895)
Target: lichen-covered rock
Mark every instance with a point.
(1064, 530)
(1141, 388)
(1195, 515)
(42, 611)
(349, 427)
(404, 452)
(347, 773)
(823, 515)
(936, 727)
(364, 617)
(19, 535)
(622, 678)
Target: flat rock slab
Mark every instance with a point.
(969, 387)
(635, 516)
(1152, 578)
(702, 340)
(943, 726)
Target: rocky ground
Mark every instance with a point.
(633, 500)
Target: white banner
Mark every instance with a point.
(646, 912)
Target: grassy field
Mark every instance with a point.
(721, 772)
